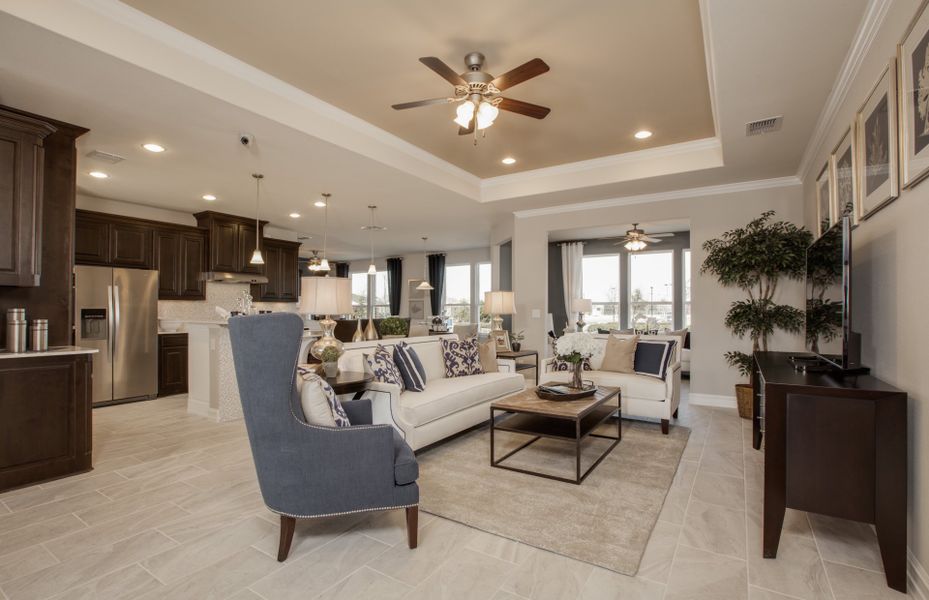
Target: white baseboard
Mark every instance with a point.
(713, 400)
(917, 584)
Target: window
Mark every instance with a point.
(651, 290)
(360, 295)
(381, 300)
(601, 287)
(686, 289)
(484, 285)
(458, 293)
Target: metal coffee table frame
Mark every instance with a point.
(566, 428)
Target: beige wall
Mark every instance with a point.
(890, 288)
(709, 217)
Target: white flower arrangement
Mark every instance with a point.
(575, 347)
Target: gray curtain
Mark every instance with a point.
(394, 283)
(437, 281)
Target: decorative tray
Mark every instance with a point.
(561, 392)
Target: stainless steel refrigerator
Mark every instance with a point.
(116, 312)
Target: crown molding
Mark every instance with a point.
(712, 190)
(861, 44)
(710, 58)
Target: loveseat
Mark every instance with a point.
(642, 395)
(446, 406)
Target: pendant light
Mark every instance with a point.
(324, 263)
(257, 259)
(424, 285)
(372, 270)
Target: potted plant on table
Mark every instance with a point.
(330, 360)
(393, 327)
(754, 259)
(516, 339)
(576, 348)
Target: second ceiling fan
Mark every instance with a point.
(480, 93)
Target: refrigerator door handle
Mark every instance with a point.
(115, 317)
(109, 322)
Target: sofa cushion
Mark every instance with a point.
(652, 357)
(406, 469)
(488, 353)
(410, 367)
(619, 355)
(632, 386)
(320, 404)
(382, 365)
(462, 357)
(443, 397)
(563, 365)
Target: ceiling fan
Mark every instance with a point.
(636, 239)
(479, 93)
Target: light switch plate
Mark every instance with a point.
(536, 313)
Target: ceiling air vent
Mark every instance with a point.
(764, 125)
(107, 157)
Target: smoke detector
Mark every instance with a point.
(760, 126)
(107, 157)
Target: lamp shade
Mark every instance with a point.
(325, 295)
(500, 303)
(581, 305)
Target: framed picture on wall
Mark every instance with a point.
(876, 128)
(824, 203)
(913, 88)
(843, 177)
(416, 301)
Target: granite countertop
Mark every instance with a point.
(52, 351)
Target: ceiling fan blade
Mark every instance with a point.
(649, 239)
(533, 68)
(406, 105)
(444, 71)
(524, 108)
(671, 234)
(467, 130)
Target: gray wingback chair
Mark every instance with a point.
(304, 470)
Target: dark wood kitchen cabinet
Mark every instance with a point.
(91, 239)
(180, 257)
(232, 241)
(22, 167)
(172, 364)
(281, 270)
(112, 240)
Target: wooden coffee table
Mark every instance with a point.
(571, 420)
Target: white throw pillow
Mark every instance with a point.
(316, 408)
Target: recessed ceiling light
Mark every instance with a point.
(156, 148)
(209, 197)
(643, 134)
(509, 160)
(98, 174)
(294, 215)
(319, 204)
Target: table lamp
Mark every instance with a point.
(499, 303)
(325, 296)
(581, 306)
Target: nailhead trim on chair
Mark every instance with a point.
(349, 512)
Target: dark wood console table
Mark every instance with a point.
(834, 446)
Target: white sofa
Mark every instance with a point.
(446, 406)
(642, 395)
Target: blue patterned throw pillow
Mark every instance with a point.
(410, 367)
(562, 365)
(318, 398)
(383, 366)
(462, 357)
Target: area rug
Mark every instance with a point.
(605, 521)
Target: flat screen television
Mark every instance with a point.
(829, 332)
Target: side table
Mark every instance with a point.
(521, 366)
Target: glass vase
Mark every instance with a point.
(576, 381)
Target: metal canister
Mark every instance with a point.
(38, 335)
(16, 330)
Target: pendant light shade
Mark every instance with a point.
(257, 259)
(424, 285)
(372, 269)
(324, 263)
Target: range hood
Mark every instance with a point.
(226, 277)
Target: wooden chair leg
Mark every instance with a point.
(665, 426)
(412, 526)
(288, 524)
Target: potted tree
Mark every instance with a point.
(754, 258)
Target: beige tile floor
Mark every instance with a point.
(172, 510)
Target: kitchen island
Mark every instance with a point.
(212, 388)
(45, 414)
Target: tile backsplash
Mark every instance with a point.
(225, 295)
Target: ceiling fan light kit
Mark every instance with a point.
(480, 94)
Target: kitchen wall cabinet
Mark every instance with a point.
(281, 270)
(22, 158)
(172, 364)
(180, 259)
(232, 241)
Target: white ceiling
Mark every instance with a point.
(767, 58)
